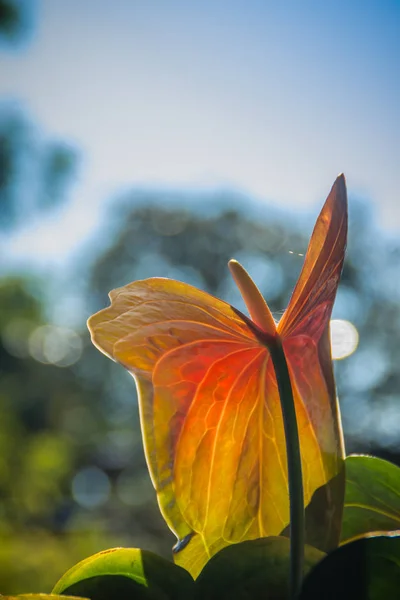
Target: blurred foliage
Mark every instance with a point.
(15, 16)
(53, 426)
(10, 18)
(35, 172)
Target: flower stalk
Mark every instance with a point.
(262, 317)
(296, 494)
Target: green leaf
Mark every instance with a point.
(126, 573)
(251, 569)
(372, 497)
(368, 568)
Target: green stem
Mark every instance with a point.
(263, 318)
(296, 496)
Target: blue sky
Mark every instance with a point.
(272, 98)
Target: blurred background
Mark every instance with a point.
(142, 138)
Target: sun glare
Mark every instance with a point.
(344, 338)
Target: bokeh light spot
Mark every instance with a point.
(344, 338)
(91, 487)
(55, 345)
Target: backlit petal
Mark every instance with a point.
(209, 403)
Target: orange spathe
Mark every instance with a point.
(209, 404)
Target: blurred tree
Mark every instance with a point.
(34, 172)
(53, 438)
(17, 19)
(10, 19)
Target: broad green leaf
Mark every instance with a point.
(366, 569)
(125, 573)
(372, 497)
(252, 569)
(209, 403)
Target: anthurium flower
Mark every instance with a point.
(209, 403)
